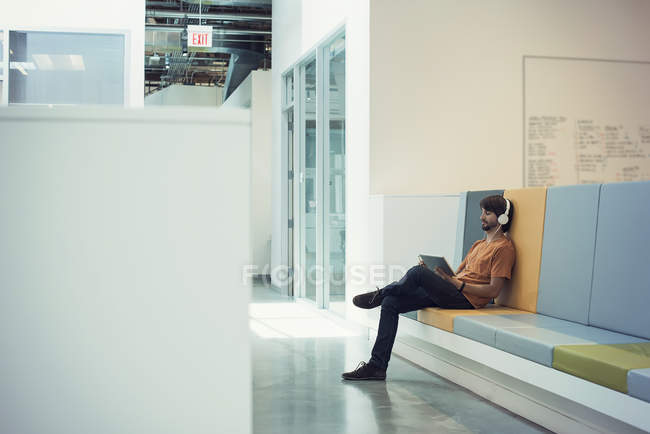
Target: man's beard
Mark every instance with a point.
(486, 227)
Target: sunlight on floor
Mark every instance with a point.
(280, 310)
(293, 320)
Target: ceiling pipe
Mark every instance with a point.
(201, 68)
(213, 59)
(216, 32)
(265, 4)
(222, 17)
(220, 40)
(231, 3)
(163, 4)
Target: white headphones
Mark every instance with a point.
(503, 219)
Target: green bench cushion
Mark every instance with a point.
(606, 365)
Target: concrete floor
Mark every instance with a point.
(298, 355)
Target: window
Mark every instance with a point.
(65, 68)
(288, 86)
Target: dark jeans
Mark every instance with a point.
(419, 288)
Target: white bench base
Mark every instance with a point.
(553, 399)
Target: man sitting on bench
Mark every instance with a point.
(478, 280)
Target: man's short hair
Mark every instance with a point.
(497, 205)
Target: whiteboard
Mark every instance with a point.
(585, 121)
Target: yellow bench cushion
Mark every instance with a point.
(526, 232)
(606, 365)
(444, 318)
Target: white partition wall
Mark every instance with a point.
(182, 95)
(122, 240)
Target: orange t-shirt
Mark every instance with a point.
(484, 261)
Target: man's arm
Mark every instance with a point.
(490, 290)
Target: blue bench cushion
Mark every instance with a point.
(537, 343)
(483, 328)
(638, 383)
(619, 296)
(569, 238)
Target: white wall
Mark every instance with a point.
(254, 93)
(401, 228)
(297, 27)
(446, 101)
(93, 17)
(123, 233)
(261, 157)
(413, 225)
(181, 95)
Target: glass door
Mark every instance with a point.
(308, 183)
(290, 267)
(335, 176)
(314, 114)
(3, 93)
(288, 138)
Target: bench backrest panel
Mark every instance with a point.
(568, 252)
(469, 227)
(621, 284)
(526, 232)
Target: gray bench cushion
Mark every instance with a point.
(537, 343)
(533, 336)
(568, 252)
(483, 328)
(638, 383)
(619, 296)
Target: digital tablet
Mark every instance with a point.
(431, 262)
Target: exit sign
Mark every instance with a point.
(199, 36)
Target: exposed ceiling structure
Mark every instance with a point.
(241, 42)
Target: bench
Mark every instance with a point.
(578, 300)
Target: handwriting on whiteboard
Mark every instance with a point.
(561, 151)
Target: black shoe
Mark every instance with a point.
(368, 300)
(365, 371)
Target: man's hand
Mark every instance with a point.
(443, 275)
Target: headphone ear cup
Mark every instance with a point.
(503, 219)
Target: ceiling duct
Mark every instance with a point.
(242, 62)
